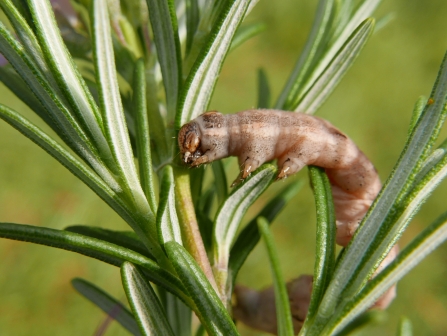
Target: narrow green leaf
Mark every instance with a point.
(231, 212)
(199, 85)
(107, 190)
(168, 226)
(200, 331)
(263, 90)
(362, 254)
(67, 74)
(249, 236)
(144, 302)
(405, 327)
(419, 248)
(126, 239)
(178, 314)
(365, 320)
(192, 22)
(68, 128)
(143, 135)
(283, 314)
(114, 121)
(342, 61)
(17, 86)
(196, 176)
(289, 94)
(94, 248)
(164, 25)
(244, 33)
(364, 11)
(228, 220)
(220, 181)
(325, 253)
(28, 39)
(211, 312)
(109, 305)
(417, 111)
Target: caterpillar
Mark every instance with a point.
(295, 140)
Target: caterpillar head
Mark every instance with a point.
(189, 142)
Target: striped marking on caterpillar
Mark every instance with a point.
(295, 140)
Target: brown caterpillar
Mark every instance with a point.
(295, 140)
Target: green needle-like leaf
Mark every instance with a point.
(360, 257)
(417, 111)
(263, 90)
(229, 217)
(220, 181)
(114, 121)
(147, 309)
(28, 39)
(126, 239)
(143, 135)
(338, 67)
(405, 327)
(104, 189)
(364, 11)
(164, 25)
(67, 75)
(199, 85)
(16, 84)
(168, 226)
(67, 127)
(283, 314)
(244, 33)
(107, 304)
(325, 254)
(192, 21)
(94, 248)
(425, 243)
(249, 236)
(291, 90)
(210, 310)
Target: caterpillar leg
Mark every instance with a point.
(200, 160)
(289, 167)
(247, 167)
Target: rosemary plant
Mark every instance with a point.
(115, 82)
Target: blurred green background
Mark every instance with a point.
(373, 105)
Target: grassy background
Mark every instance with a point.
(373, 105)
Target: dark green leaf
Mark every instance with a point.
(263, 90)
(220, 181)
(419, 248)
(337, 68)
(192, 21)
(326, 230)
(210, 310)
(168, 226)
(244, 33)
(249, 236)
(126, 239)
(143, 135)
(164, 25)
(109, 305)
(147, 309)
(94, 248)
(283, 314)
(289, 95)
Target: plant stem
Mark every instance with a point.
(192, 239)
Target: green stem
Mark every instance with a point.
(192, 239)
